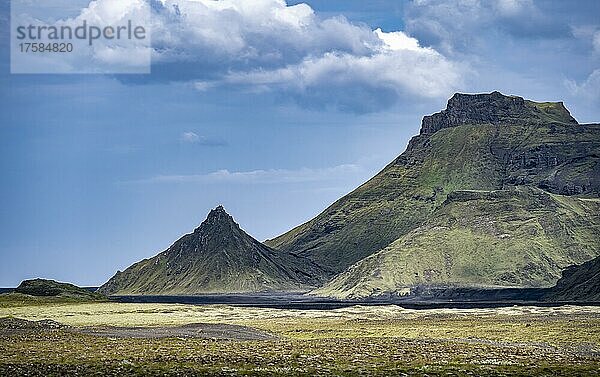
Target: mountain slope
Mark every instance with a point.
(521, 237)
(480, 142)
(218, 257)
(578, 283)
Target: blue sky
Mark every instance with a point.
(273, 110)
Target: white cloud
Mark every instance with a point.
(239, 33)
(588, 90)
(88, 54)
(397, 41)
(190, 137)
(394, 72)
(269, 46)
(269, 176)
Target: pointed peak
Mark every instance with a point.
(219, 209)
(218, 218)
(219, 213)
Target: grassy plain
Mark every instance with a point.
(359, 340)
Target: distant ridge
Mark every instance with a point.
(52, 288)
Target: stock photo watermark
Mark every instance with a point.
(80, 36)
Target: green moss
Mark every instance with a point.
(8, 300)
(353, 341)
(507, 238)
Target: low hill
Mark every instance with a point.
(51, 288)
(43, 291)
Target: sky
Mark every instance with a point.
(272, 109)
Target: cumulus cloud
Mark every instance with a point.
(270, 46)
(88, 54)
(269, 176)
(359, 83)
(459, 25)
(588, 90)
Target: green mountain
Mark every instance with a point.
(218, 257)
(494, 191)
(520, 237)
(578, 283)
(51, 288)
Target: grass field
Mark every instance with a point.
(355, 341)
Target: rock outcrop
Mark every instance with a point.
(494, 108)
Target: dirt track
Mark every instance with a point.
(12, 326)
(194, 330)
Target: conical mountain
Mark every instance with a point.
(218, 257)
(494, 191)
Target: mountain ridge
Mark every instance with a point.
(578, 283)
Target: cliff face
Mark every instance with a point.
(495, 108)
(218, 257)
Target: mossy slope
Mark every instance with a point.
(578, 283)
(522, 237)
(218, 257)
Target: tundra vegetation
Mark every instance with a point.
(107, 338)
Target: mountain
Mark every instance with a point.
(521, 237)
(578, 283)
(218, 257)
(51, 288)
(494, 191)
